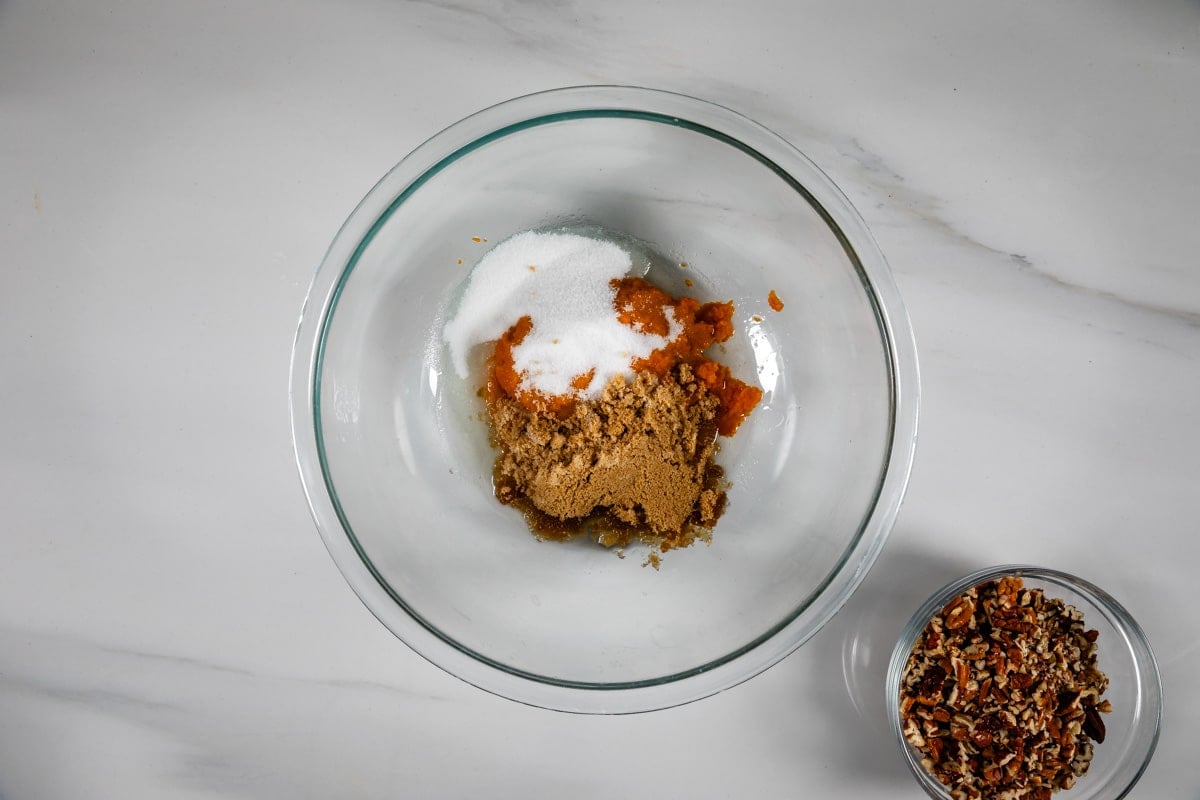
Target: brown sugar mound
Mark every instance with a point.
(637, 462)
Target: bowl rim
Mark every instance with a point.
(1149, 687)
(559, 105)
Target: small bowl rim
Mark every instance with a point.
(1149, 689)
(702, 680)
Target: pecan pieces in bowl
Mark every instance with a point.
(1002, 694)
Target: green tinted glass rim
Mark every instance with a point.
(549, 119)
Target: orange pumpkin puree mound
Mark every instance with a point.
(643, 306)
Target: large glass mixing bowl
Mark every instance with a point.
(395, 458)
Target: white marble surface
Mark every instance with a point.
(170, 174)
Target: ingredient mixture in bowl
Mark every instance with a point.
(1002, 695)
(601, 400)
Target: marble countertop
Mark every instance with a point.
(171, 625)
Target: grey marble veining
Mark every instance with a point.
(170, 623)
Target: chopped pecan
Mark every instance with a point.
(1015, 655)
(929, 692)
(975, 650)
(936, 745)
(1067, 700)
(962, 672)
(1007, 590)
(1093, 724)
(981, 738)
(1020, 619)
(959, 612)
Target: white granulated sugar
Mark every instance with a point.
(561, 281)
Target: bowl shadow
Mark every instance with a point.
(853, 651)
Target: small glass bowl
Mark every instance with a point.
(1124, 656)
